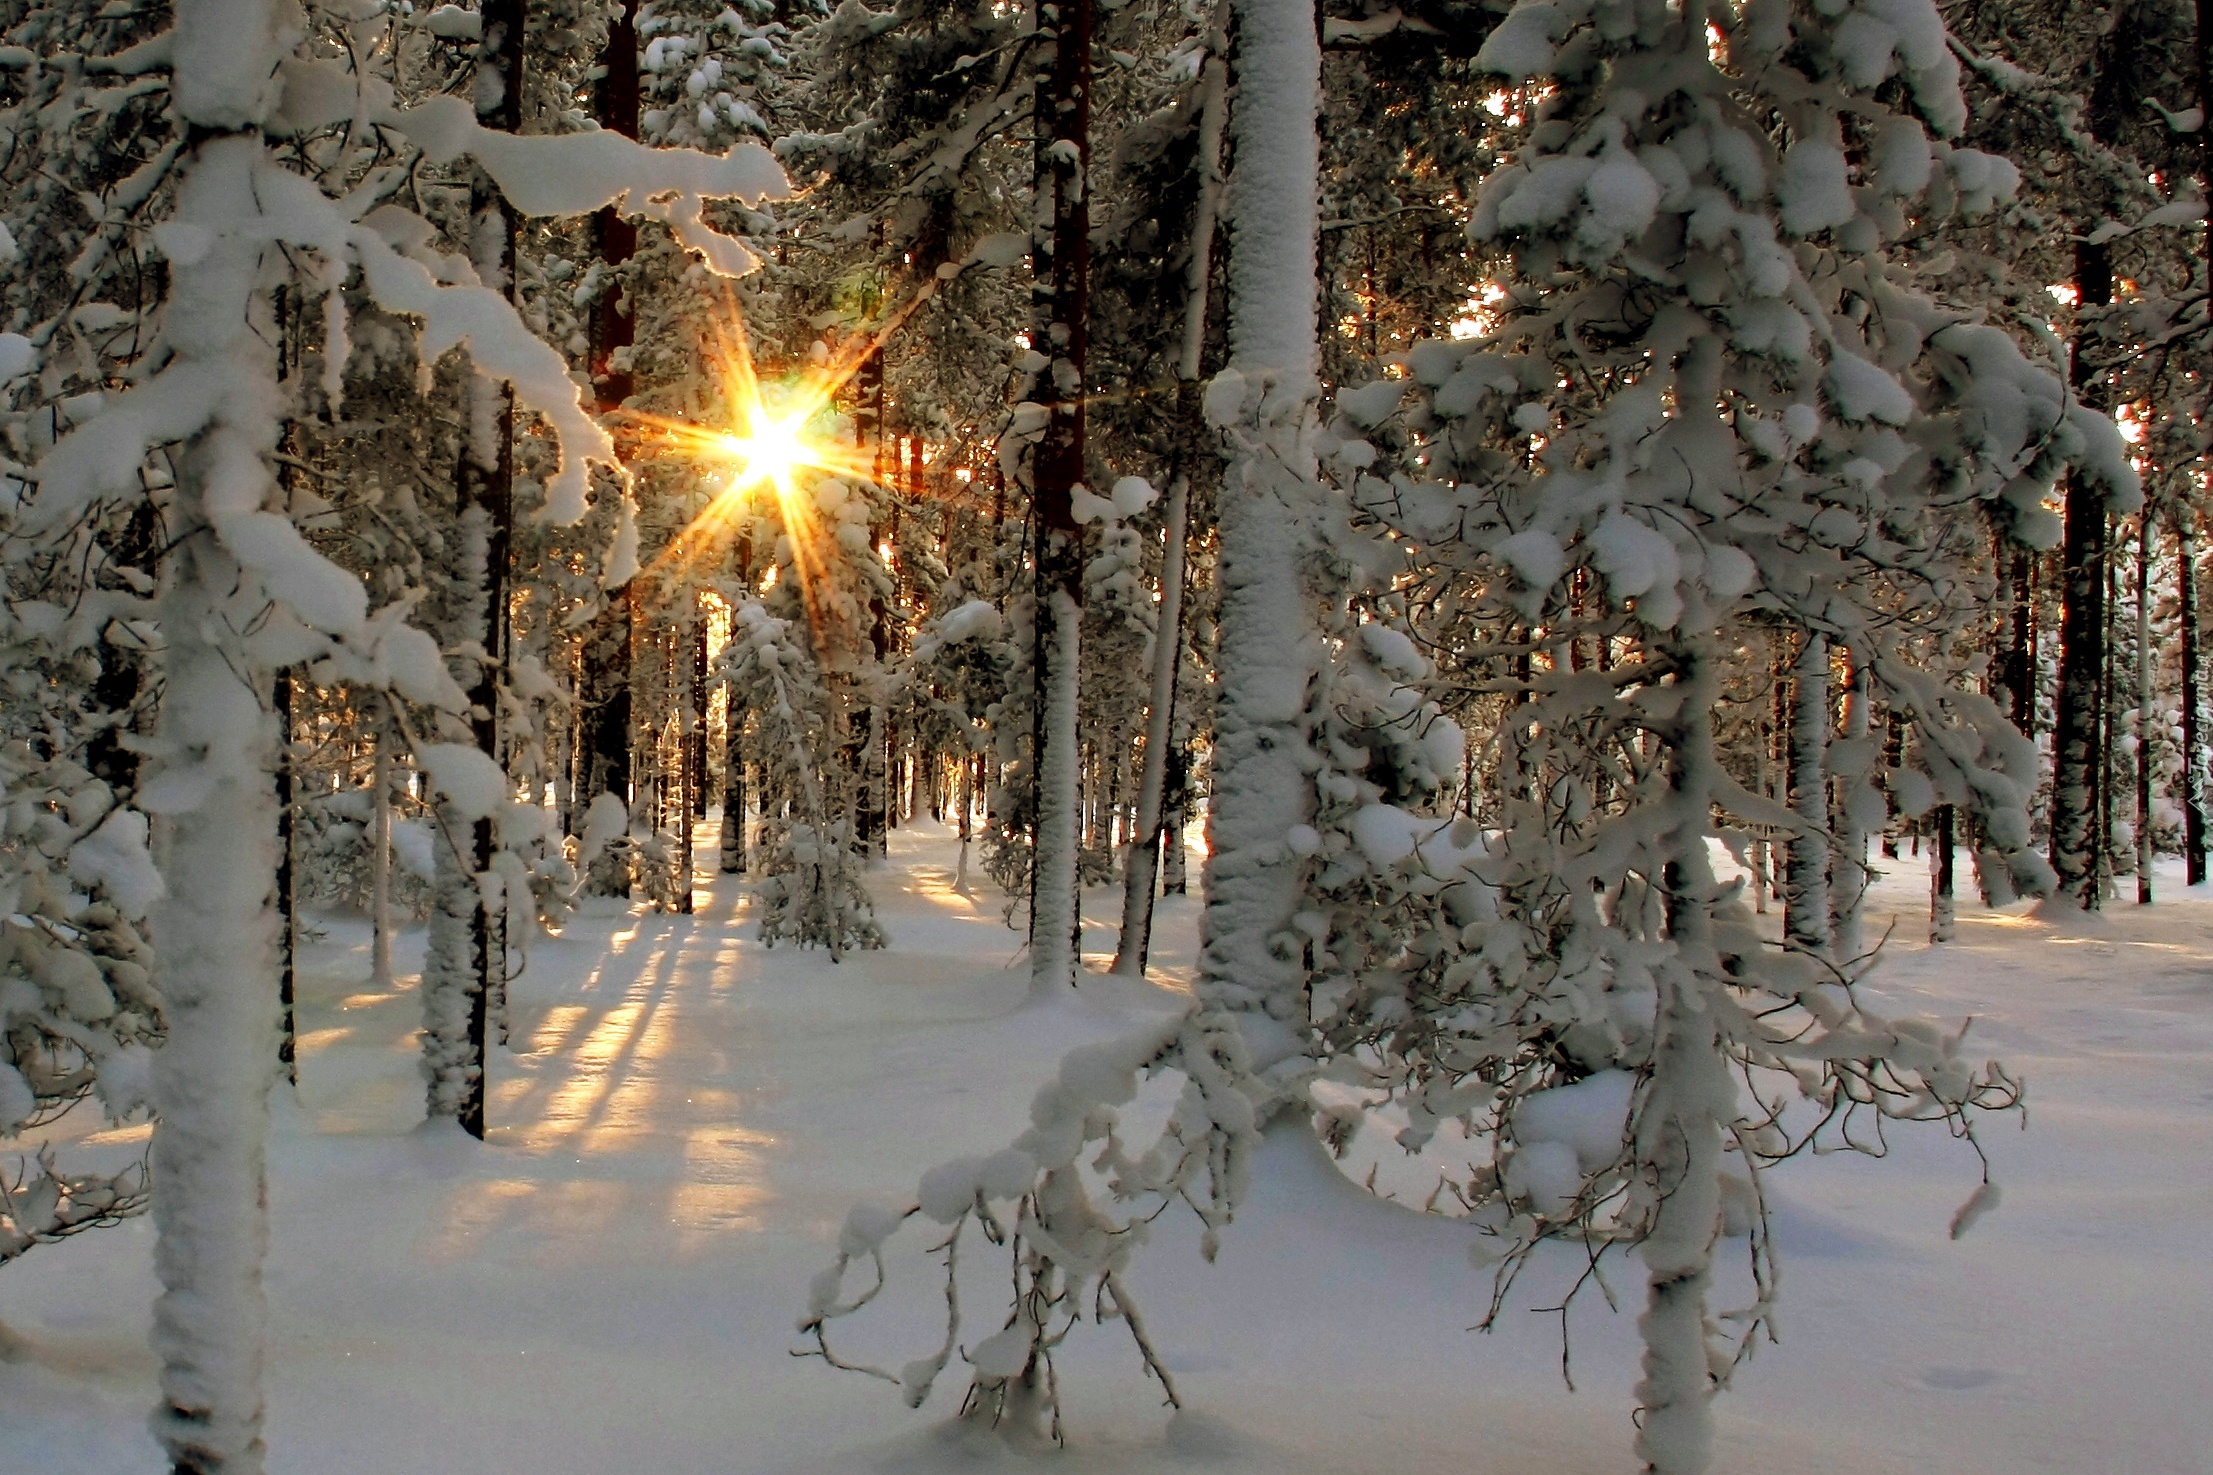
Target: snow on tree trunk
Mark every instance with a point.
(215, 782)
(1250, 959)
(1061, 309)
(1691, 1099)
(2078, 749)
(1806, 881)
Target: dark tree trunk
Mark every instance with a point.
(2193, 722)
(287, 879)
(2020, 659)
(2078, 749)
(613, 325)
(1806, 919)
(1942, 910)
(117, 690)
(604, 763)
(2144, 852)
(486, 485)
(2193, 734)
(1061, 310)
(698, 755)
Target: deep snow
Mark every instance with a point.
(611, 1282)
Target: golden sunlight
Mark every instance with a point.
(775, 450)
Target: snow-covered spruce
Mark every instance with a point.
(1789, 428)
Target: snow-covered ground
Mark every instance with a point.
(611, 1282)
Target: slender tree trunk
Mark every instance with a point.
(2144, 855)
(1894, 757)
(604, 760)
(215, 929)
(1141, 870)
(1848, 870)
(2020, 661)
(1175, 816)
(1806, 887)
(733, 801)
(1062, 309)
(380, 861)
(2193, 699)
(1943, 911)
(287, 881)
(687, 657)
(2193, 735)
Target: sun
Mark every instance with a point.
(775, 449)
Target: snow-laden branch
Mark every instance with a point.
(576, 173)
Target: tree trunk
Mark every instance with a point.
(1806, 886)
(1254, 884)
(2144, 854)
(2193, 699)
(613, 327)
(215, 929)
(2186, 551)
(1141, 869)
(1848, 866)
(609, 650)
(2020, 658)
(687, 652)
(604, 761)
(2078, 748)
(1061, 309)
(380, 860)
(466, 963)
(1680, 1129)
(1175, 816)
(287, 881)
(1943, 911)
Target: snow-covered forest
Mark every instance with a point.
(1131, 734)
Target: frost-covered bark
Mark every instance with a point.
(1689, 1103)
(2078, 727)
(214, 782)
(1250, 958)
(1061, 257)
(457, 955)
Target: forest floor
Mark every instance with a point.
(610, 1283)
